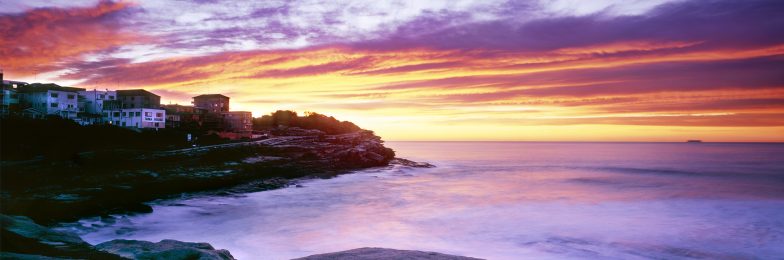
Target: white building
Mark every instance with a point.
(51, 99)
(92, 101)
(137, 117)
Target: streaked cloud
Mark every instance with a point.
(40, 39)
(412, 69)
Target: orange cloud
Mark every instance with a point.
(416, 93)
(663, 76)
(40, 39)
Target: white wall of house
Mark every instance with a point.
(92, 100)
(137, 117)
(54, 102)
(10, 98)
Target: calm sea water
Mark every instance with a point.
(500, 200)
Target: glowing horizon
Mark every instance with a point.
(537, 70)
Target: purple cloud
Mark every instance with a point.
(716, 23)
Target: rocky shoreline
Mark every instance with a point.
(116, 182)
(24, 239)
(121, 182)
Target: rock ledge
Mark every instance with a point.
(374, 253)
(165, 249)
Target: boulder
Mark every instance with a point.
(372, 253)
(165, 249)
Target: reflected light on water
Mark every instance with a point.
(503, 201)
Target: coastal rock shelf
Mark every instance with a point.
(100, 183)
(372, 253)
(166, 249)
(120, 181)
(24, 239)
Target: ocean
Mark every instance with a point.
(502, 200)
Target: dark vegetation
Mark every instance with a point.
(54, 169)
(287, 118)
(57, 139)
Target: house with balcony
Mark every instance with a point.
(93, 103)
(178, 116)
(135, 108)
(215, 105)
(50, 99)
(238, 121)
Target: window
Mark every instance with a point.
(138, 113)
(133, 98)
(54, 95)
(148, 114)
(103, 96)
(158, 114)
(156, 124)
(111, 97)
(124, 114)
(123, 123)
(71, 96)
(116, 114)
(54, 105)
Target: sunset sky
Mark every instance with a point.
(536, 70)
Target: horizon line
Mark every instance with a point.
(530, 141)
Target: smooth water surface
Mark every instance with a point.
(503, 200)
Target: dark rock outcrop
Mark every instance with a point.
(119, 182)
(165, 249)
(27, 240)
(15, 256)
(24, 239)
(410, 163)
(372, 253)
(295, 131)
